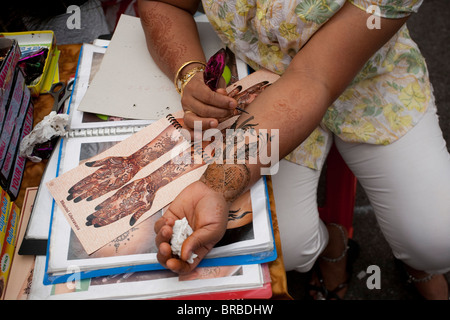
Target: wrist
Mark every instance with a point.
(186, 72)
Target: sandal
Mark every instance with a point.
(351, 252)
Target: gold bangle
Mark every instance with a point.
(187, 77)
(176, 80)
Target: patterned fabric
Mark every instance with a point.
(385, 100)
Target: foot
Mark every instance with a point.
(333, 265)
(430, 287)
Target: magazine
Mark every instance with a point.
(221, 282)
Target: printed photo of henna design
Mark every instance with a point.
(211, 272)
(137, 197)
(236, 215)
(240, 212)
(115, 172)
(140, 239)
(240, 221)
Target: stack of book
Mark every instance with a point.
(16, 116)
(9, 221)
(118, 260)
(16, 121)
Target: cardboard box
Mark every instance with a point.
(7, 73)
(5, 204)
(22, 265)
(33, 41)
(13, 108)
(9, 244)
(18, 123)
(16, 175)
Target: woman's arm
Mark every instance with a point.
(172, 40)
(319, 73)
(294, 106)
(171, 33)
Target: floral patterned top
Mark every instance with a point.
(385, 100)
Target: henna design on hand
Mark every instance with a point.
(247, 96)
(233, 179)
(228, 179)
(115, 172)
(137, 197)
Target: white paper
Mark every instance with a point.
(129, 84)
(156, 285)
(181, 231)
(89, 63)
(53, 125)
(39, 222)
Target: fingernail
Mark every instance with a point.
(212, 124)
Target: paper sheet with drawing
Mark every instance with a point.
(103, 185)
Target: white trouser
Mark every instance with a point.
(407, 183)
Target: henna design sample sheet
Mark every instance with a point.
(118, 172)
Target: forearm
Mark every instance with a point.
(171, 34)
(294, 105)
(280, 118)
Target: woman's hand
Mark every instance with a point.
(200, 103)
(206, 211)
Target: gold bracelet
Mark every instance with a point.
(176, 80)
(187, 77)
